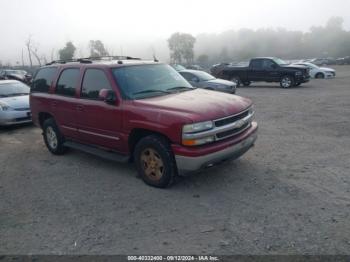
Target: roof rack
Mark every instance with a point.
(89, 60)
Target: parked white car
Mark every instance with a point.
(318, 72)
(14, 103)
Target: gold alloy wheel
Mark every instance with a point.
(152, 164)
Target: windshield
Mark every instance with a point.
(311, 65)
(203, 76)
(13, 89)
(142, 81)
(178, 67)
(279, 61)
(15, 72)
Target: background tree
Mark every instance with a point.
(28, 44)
(181, 47)
(67, 52)
(203, 60)
(97, 48)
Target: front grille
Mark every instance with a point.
(22, 109)
(20, 119)
(225, 127)
(230, 119)
(233, 132)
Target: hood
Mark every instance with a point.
(221, 82)
(16, 101)
(197, 105)
(327, 69)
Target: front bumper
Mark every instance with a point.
(189, 164)
(13, 117)
(302, 79)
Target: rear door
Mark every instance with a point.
(63, 102)
(99, 123)
(256, 71)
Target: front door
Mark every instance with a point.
(99, 123)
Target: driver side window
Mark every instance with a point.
(268, 64)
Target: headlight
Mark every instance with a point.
(4, 106)
(197, 127)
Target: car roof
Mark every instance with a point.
(264, 57)
(190, 71)
(101, 62)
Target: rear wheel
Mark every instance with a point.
(155, 161)
(287, 82)
(236, 80)
(53, 138)
(319, 75)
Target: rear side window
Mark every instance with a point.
(67, 82)
(43, 79)
(94, 81)
(257, 64)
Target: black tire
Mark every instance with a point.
(320, 76)
(161, 151)
(247, 83)
(55, 148)
(236, 80)
(287, 81)
(297, 84)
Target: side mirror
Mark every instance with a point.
(107, 96)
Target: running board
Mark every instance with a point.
(98, 152)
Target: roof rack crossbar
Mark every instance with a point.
(88, 60)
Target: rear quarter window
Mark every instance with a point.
(43, 79)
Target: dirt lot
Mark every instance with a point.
(289, 195)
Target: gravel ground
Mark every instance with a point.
(290, 194)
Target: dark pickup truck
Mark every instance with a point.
(266, 69)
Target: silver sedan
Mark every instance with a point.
(204, 80)
(14, 103)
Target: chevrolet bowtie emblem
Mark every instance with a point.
(240, 123)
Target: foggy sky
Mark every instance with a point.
(137, 27)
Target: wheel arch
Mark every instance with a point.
(42, 116)
(137, 134)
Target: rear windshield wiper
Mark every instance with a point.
(151, 91)
(180, 88)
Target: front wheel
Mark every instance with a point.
(287, 82)
(53, 138)
(246, 83)
(319, 75)
(155, 161)
(236, 80)
(297, 84)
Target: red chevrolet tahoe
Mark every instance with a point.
(143, 111)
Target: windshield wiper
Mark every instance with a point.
(18, 94)
(151, 91)
(181, 88)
